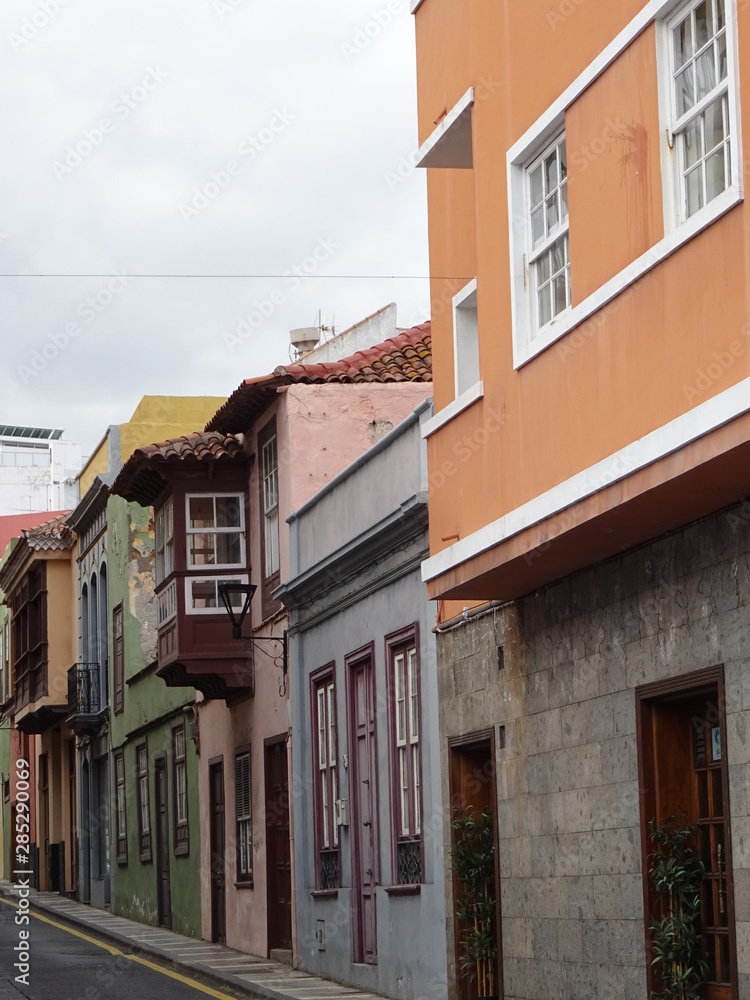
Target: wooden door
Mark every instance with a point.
(683, 775)
(218, 853)
(364, 811)
(472, 784)
(163, 892)
(278, 848)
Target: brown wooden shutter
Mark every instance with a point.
(118, 659)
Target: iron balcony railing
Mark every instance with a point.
(84, 689)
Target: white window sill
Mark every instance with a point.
(450, 143)
(524, 352)
(415, 4)
(459, 404)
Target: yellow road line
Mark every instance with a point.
(133, 958)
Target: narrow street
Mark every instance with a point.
(66, 965)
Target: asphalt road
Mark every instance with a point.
(67, 967)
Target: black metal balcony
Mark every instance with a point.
(84, 696)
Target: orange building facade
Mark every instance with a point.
(588, 466)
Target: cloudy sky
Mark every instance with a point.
(263, 138)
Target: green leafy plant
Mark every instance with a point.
(675, 874)
(473, 863)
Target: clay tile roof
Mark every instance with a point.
(140, 478)
(52, 534)
(407, 357)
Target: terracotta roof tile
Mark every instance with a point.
(52, 534)
(140, 479)
(407, 357)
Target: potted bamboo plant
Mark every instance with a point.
(675, 874)
(473, 863)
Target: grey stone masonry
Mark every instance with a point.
(568, 812)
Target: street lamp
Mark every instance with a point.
(236, 598)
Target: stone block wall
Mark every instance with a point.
(563, 708)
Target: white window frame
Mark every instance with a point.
(535, 254)
(164, 541)
(465, 340)
(216, 580)
(673, 127)
(676, 233)
(271, 553)
(243, 815)
(232, 530)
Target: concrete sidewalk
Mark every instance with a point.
(222, 967)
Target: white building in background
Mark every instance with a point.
(38, 470)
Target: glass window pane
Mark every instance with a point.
(703, 23)
(721, 56)
(545, 310)
(564, 199)
(720, 14)
(718, 805)
(561, 298)
(693, 143)
(702, 777)
(537, 192)
(201, 512)
(229, 549)
(714, 125)
(557, 254)
(684, 90)
(537, 227)
(228, 512)
(705, 73)
(550, 173)
(202, 549)
(543, 266)
(715, 179)
(204, 593)
(563, 160)
(683, 43)
(694, 191)
(552, 213)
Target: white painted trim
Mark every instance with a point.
(458, 405)
(696, 423)
(552, 120)
(522, 353)
(445, 125)
(415, 4)
(469, 290)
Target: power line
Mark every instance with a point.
(287, 274)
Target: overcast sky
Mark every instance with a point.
(193, 137)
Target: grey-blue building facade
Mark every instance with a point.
(368, 815)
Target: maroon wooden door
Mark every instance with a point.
(163, 891)
(278, 852)
(218, 853)
(364, 796)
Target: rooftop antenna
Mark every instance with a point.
(306, 338)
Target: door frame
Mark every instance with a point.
(664, 691)
(268, 743)
(478, 740)
(214, 764)
(160, 764)
(352, 661)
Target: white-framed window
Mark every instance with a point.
(701, 123)
(406, 696)
(244, 815)
(465, 338)
(202, 594)
(215, 530)
(548, 253)
(164, 541)
(270, 474)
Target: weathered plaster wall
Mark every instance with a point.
(568, 803)
(151, 709)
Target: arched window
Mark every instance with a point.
(104, 634)
(94, 622)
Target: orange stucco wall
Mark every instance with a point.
(637, 364)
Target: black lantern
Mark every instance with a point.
(236, 599)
